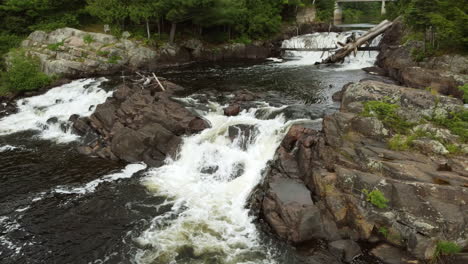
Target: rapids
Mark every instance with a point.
(57, 206)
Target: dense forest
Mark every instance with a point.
(216, 20)
(157, 22)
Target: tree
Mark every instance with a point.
(109, 11)
(144, 10)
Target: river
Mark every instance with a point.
(57, 206)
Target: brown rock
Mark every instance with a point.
(232, 110)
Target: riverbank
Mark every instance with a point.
(361, 178)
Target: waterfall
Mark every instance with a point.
(207, 187)
(49, 113)
(327, 40)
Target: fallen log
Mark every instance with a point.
(353, 47)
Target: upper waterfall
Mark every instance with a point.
(322, 40)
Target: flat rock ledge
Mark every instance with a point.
(138, 124)
(73, 53)
(316, 186)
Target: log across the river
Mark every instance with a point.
(353, 47)
(328, 49)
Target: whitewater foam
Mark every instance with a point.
(90, 187)
(8, 148)
(327, 40)
(209, 184)
(49, 113)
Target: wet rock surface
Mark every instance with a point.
(318, 185)
(138, 125)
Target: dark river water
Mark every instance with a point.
(57, 206)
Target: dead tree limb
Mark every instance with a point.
(352, 47)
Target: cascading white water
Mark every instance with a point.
(208, 186)
(49, 113)
(327, 40)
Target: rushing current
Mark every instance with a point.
(57, 206)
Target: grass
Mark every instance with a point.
(456, 122)
(114, 59)
(88, 39)
(464, 89)
(103, 53)
(376, 198)
(384, 231)
(55, 46)
(387, 113)
(446, 248)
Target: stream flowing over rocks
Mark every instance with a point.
(246, 163)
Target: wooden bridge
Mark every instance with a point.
(338, 13)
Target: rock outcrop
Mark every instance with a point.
(443, 73)
(138, 125)
(69, 52)
(345, 184)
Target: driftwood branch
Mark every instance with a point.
(160, 85)
(353, 47)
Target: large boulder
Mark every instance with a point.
(138, 125)
(74, 53)
(345, 183)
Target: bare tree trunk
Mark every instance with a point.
(352, 47)
(148, 29)
(173, 32)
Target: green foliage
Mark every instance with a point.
(387, 113)
(446, 248)
(464, 89)
(369, 12)
(23, 74)
(88, 39)
(55, 46)
(447, 19)
(7, 42)
(384, 231)
(102, 53)
(376, 198)
(402, 142)
(325, 10)
(114, 59)
(456, 122)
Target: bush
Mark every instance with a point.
(446, 248)
(387, 113)
(88, 39)
(464, 89)
(23, 74)
(114, 59)
(456, 122)
(376, 198)
(55, 46)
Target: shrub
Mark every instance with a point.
(398, 142)
(446, 248)
(376, 198)
(88, 39)
(24, 74)
(456, 122)
(103, 53)
(114, 59)
(55, 46)
(384, 231)
(387, 113)
(464, 89)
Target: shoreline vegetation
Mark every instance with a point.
(440, 25)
